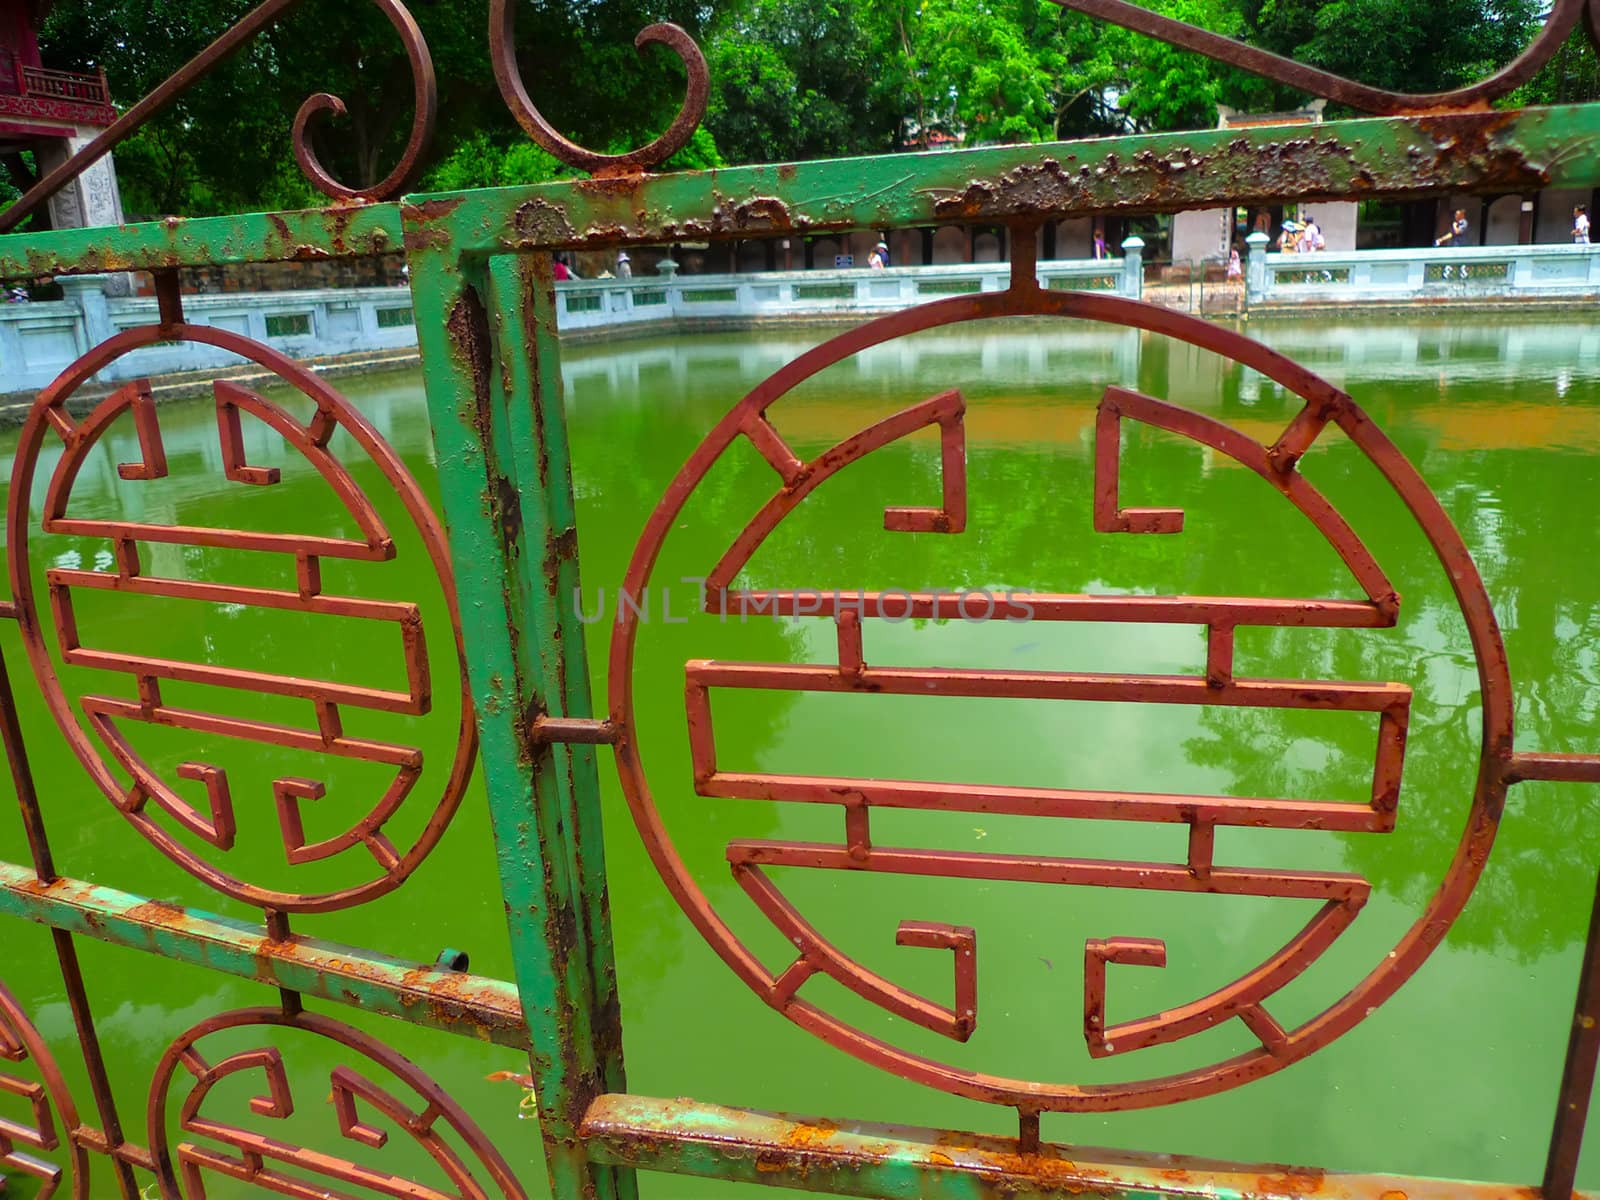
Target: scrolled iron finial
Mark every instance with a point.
(425, 91)
(502, 52)
(1562, 18)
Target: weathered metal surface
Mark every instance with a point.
(1578, 1074)
(311, 235)
(431, 996)
(892, 1162)
(488, 338)
(1167, 172)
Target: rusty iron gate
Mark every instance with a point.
(485, 306)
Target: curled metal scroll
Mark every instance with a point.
(502, 51)
(265, 14)
(425, 92)
(1562, 19)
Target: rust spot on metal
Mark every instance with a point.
(539, 222)
(762, 212)
(159, 912)
(1293, 1182)
(805, 1136)
(433, 210)
(1470, 144)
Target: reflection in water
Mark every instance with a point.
(1502, 420)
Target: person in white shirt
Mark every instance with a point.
(1580, 225)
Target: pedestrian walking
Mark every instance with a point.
(1457, 233)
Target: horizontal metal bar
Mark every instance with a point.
(452, 1001)
(1166, 172)
(1529, 765)
(903, 1163)
(349, 231)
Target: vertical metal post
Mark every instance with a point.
(1577, 1077)
(487, 332)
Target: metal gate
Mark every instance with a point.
(485, 306)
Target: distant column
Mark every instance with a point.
(1133, 266)
(1256, 271)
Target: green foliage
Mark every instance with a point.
(225, 145)
(1572, 76)
(800, 80)
(480, 162)
(1407, 45)
(790, 79)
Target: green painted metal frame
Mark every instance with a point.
(484, 300)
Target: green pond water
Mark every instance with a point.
(1455, 1076)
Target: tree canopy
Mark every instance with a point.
(790, 80)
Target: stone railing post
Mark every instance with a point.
(1255, 276)
(88, 293)
(1133, 267)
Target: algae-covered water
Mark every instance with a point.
(1454, 1077)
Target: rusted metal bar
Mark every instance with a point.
(105, 1101)
(423, 995)
(1527, 149)
(314, 234)
(1166, 172)
(44, 873)
(22, 779)
(488, 340)
(1578, 1074)
(1558, 768)
(859, 1159)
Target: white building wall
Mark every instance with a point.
(1337, 222)
(1200, 236)
(1555, 213)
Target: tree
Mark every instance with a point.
(1406, 45)
(225, 145)
(793, 80)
